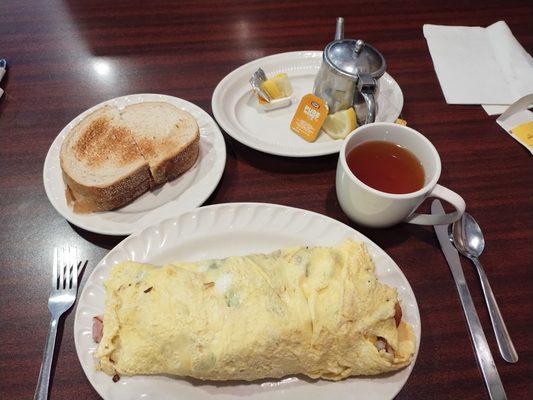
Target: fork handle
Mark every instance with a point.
(41, 393)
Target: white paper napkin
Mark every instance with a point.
(493, 109)
(477, 65)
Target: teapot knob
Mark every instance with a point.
(358, 46)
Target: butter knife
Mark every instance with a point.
(481, 347)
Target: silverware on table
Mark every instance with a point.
(481, 347)
(467, 237)
(62, 297)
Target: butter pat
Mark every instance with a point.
(279, 89)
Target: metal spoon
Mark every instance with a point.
(467, 238)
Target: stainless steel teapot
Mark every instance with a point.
(348, 75)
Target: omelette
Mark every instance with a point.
(317, 311)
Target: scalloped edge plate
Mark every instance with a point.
(182, 194)
(269, 132)
(219, 231)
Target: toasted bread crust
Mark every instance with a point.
(83, 204)
(102, 198)
(181, 162)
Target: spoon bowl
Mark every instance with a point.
(467, 236)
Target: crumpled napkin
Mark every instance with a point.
(477, 65)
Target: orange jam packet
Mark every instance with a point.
(309, 117)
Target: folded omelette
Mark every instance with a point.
(318, 311)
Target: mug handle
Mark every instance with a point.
(440, 192)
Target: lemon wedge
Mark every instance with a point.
(340, 124)
(277, 87)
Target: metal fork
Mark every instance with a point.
(62, 297)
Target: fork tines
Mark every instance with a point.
(66, 265)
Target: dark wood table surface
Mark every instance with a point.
(184, 49)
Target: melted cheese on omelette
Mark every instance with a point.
(315, 311)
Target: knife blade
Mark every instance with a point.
(481, 347)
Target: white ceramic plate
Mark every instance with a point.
(233, 106)
(220, 231)
(182, 194)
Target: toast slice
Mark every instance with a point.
(167, 137)
(102, 165)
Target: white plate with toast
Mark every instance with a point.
(269, 132)
(219, 231)
(187, 191)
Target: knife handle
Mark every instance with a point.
(483, 354)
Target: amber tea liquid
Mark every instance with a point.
(386, 166)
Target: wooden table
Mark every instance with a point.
(184, 50)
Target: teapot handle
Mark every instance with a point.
(371, 106)
(366, 85)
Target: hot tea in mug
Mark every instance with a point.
(385, 171)
(386, 166)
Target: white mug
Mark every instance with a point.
(374, 208)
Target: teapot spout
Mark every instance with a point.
(339, 29)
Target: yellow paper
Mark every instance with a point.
(524, 132)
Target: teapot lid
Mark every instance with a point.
(354, 57)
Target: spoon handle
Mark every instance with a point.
(505, 344)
